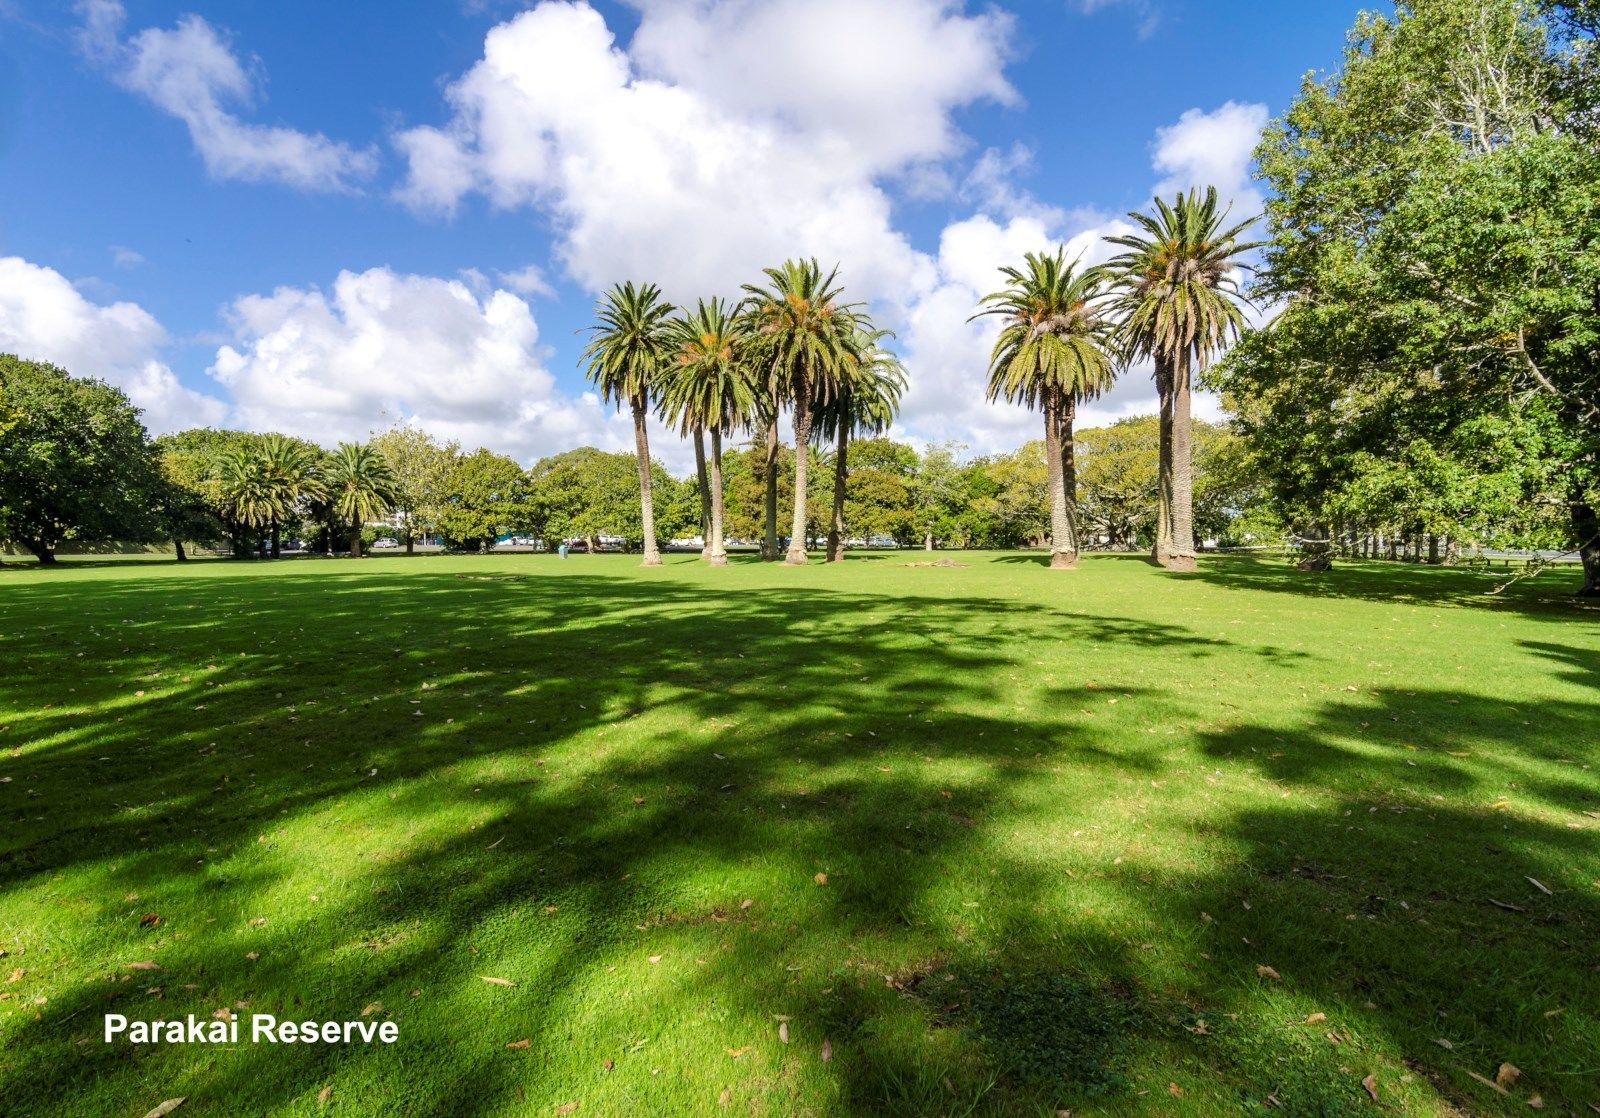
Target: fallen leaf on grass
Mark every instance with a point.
(654, 959)
(258, 922)
(783, 1031)
(1370, 1083)
(1507, 907)
(16, 975)
(497, 981)
(167, 1107)
(737, 1052)
(726, 1097)
(1174, 1090)
(1265, 971)
(1507, 1074)
(375, 1007)
(1443, 1043)
(149, 920)
(523, 1043)
(252, 955)
(1536, 1102)
(1541, 886)
(325, 1094)
(827, 1050)
(1313, 1018)
(567, 1107)
(608, 1064)
(746, 903)
(144, 964)
(821, 879)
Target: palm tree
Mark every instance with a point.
(290, 469)
(628, 347)
(1180, 303)
(867, 402)
(801, 333)
(361, 488)
(246, 490)
(709, 389)
(1052, 354)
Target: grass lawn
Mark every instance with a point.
(977, 840)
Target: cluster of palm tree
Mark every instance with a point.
(264, 485)
(791, 343)
(1172, 297)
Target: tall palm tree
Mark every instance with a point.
(801, 332)
(361, 487)
(1052, 354)
(246, 490)
(1180, 304)
(290, 468)
(866, 403)
(628, 346)
(709, 388)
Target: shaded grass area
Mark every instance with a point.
(1012, 840)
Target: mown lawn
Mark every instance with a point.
(1067, 823)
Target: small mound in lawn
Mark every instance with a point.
(938, 563)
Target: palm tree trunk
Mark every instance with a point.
(1182, 558)
(1063, 550)
(355, 542)
(719, 550)
(647, 508)
(1066, 412)
(802, 446)
(769, 541)
(841, 475)
(705, 492)
(277, 539)
(1161, 552)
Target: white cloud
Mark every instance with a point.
(696, 171)
(124, 257)
(527, 280)
(43, 317)
(464, 365)
(1212, 149)
(193, 73)
(1146, 12)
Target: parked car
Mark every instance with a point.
(386, 541)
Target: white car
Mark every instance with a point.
(386, 541)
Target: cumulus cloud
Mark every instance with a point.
(124, 257)
(1212, 148)
(43, 317)
(192, 73)
(461, 364)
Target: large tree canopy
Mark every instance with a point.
(75, 462)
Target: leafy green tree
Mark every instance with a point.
(1180, 306)
(936, 492)
(802, 332)
(709, 388)
(1052, 355)
(485, 493)
(75, 462)
(1119, 470)
(189, 505)
(868, 398)
(1435, 244)
(360, 488)
(629, 346)
(1015, 500)
(421, 466)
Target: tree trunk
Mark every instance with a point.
(647, 508)
(719, 550)
(1161, 552)
(1586, 529)
(705, 492)
(355, 542)
(841, 476)
(1067, 412)
(802, 446)
(1063, 548)
(410, 540)
(1433, 550)
(177, 546)
(769, 539)
(1182, 558)
(41, 551)
(277, 539)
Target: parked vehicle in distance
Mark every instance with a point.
(386, 542)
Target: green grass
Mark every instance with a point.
(1063, 818)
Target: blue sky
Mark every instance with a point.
(323, 217)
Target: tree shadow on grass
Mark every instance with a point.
(605, 769)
